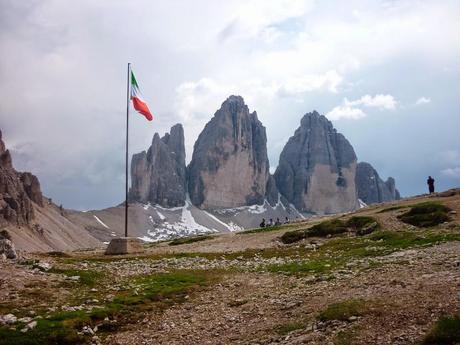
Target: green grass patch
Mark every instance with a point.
(336, 252)
(87, 277)
(187, 240)
(395, 240)
(393, 208)
(144, 293)
(287, 328)
(47, 332)
(312, 267)
(328, 227)
(258, 230)
(359, 224)
(446, 331)
(323, 229)
(293, 236)
(344, 310)
(426, 214)
(162, 286)
(347, 337)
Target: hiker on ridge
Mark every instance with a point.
(430, 183)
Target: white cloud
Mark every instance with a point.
(195, 99)
(451, 172)
(330, 81)
(353, 109)
(378, 101)
(256, 18)
(345, 112)
(423, 100)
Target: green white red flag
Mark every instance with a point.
(138, 101)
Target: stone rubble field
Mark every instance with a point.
(331, 284)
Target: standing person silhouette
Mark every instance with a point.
(430, 183)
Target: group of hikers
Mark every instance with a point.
(271, 223)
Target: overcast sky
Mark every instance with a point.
(387, 73)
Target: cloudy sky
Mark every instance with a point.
(386, 73)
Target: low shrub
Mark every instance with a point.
(4, 234)
(446, 331)
(426, 215)
(363, 225)
(293, 236)
(328, 227)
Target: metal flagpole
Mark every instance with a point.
(127, 131)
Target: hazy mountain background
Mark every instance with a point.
(385, 72)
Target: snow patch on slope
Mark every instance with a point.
(101, 222)
(230, 226)
(362, 204)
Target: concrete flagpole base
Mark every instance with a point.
(124, 245)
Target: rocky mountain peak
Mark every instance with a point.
(158, 176)
(5, 156)
(2, 144)
(229, 166)
(371, 188)
(18, 191)
(317, 168)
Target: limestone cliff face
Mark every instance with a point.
(317, 168)
(371, 188)
(18, 191)
(230, 167)
(159, 175)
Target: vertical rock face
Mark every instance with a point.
(230, 167)
(371, 188)
(159, 175)
(317, 167)
(18, 191)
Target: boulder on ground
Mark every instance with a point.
(7, 246)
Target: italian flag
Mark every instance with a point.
(138, 101)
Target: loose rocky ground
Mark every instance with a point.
(388, 287)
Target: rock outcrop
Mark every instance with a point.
(7, 249)
(17, 191)
(371, 188)
(158, 176)
(229, 166)
(317, 167)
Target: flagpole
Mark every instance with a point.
(127, 131)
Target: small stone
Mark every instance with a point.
(9, 319)
(352, 318)
(43, 266)
(87, 330)
(32, 325)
